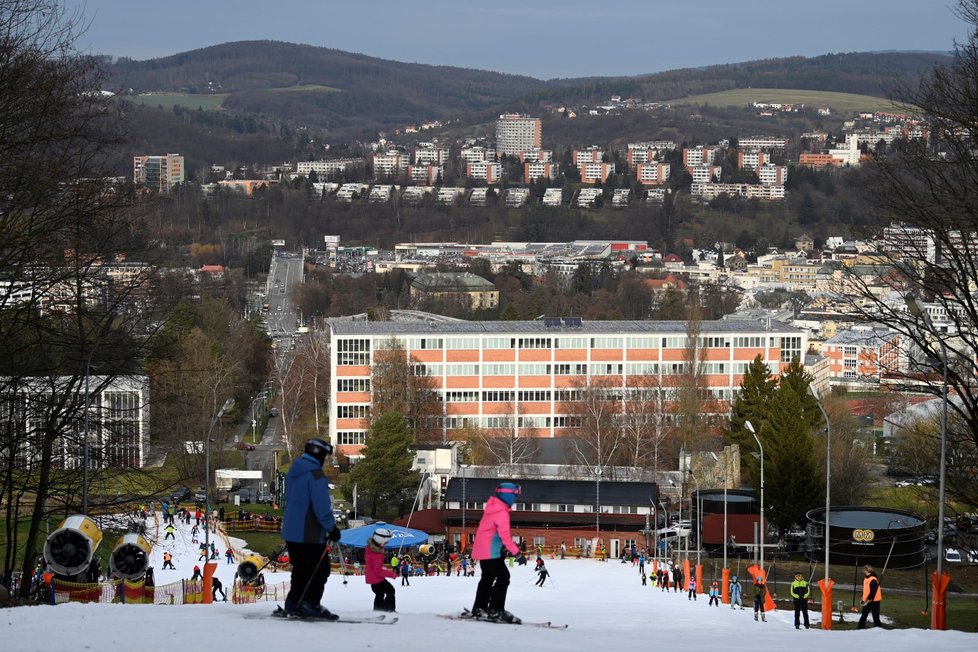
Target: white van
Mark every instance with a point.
(952, 555)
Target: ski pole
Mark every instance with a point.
(339, 549)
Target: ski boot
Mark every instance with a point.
(476, 614)
(755, 616)
(314, 612)
(763, 618)
(503, 616)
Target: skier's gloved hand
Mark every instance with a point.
(334, 534)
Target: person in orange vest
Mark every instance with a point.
(872, 596)
(168, 560)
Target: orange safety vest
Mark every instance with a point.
(167, 556)
(879, 589)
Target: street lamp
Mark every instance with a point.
(750, 429)
(913, 306)
(463, 541)
(725, 536)
(597, 509)
(228, 404)
(828, 476)
(679, 523)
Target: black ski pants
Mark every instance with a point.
(801, 609)
(310, 568)
(383, 596)
(872, 607)
(490, 595)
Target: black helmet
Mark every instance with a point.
(319, 448)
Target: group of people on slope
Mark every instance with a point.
(309, 527)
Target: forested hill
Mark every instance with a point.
(353, 96)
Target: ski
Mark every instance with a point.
(466, 615)
(368, 620)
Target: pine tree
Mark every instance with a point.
(791, 473)
(756, 391)
(384, 475)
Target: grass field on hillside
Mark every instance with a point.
(839, 102)
(307, 88)
(192, 101)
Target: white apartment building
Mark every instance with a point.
(592, 154)
(704, 173)
(390, 164)
(477, 154)
(426, 173)
(762, 142)
(431, 155)
(752, 159)
(537, 155)
(910, 241)
(772, 174)
(118, 423)
(159, 172)
(596, 172)
(699, 155)
(647, 152)
(539, 170)
(517, 133)
(325, 168)
(848, 155)
(652, 173)
(489, 172)
(750, 191)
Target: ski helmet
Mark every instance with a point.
(319, 448)
(381, 536)
(507, 492)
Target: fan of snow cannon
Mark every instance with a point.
(69, 549)
(249, 569)
(130, 557)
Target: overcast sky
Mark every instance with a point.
(540, 38)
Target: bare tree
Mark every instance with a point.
(923, 189)
(644, 422)
(402, 385)
(601, 440)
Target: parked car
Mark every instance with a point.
(247, 495)
(244, 446)
(952, 555)
(200, 495)
(181, 494)
(263, 498)
(223, 496)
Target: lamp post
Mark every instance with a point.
(750, 429)
(463, 541)
(228, 404)
(938, 611)
(828, 476)
(725, 535)
(665, 523)
(679, 522)
(597, 509)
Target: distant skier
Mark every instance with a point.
(169, 533)
(405, 573)
(168, 560)
(376, 573)
(714, 595)
(230, 556)
(760, 593)
(736, 593)
(216, 587)
(542, 572)
(196, 576)
(691, 595)
(491, 537)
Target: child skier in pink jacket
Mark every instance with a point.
(376, 572)
(491, 537)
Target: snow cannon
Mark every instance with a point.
(69, 550)
(426, 549)
(249, 568)
(130, 557)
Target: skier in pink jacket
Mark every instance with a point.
(491, 537)
(376, 572)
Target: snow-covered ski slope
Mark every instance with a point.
(605, 604)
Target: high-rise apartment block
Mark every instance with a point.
(160, 173)
(516, 134)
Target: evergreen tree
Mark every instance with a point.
(791, 473)
(384, 476)
(756, 391)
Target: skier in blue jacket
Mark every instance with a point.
(736, 593)
(307, 528)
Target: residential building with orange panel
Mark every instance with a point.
(862, 354)
(523, 377)
(517, 133)
(596, 172)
